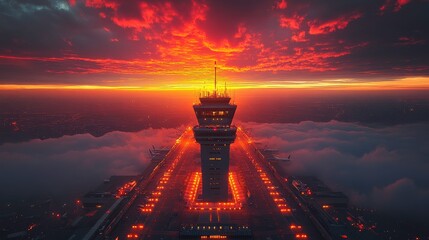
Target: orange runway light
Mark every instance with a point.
(293, 226)
(192, 189)
(301, 236)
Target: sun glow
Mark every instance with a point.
(336, 84)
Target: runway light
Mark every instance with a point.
(301, 236)
(31, 227)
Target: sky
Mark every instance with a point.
(134, 44)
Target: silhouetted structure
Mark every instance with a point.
(215, 134)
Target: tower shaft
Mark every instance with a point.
(215, 133)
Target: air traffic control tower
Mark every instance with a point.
(215, 134)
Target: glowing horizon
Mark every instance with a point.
(412, 83)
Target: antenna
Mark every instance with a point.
(215, 79)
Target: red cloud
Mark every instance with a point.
(136, 15)
(149, 15)
(292, 23)
(101, 4)
(299, 58)
(388, 4)
(400, 3)
(282, 4)
(299, 37)
(332, 25)
(158, 20)
(410, 41)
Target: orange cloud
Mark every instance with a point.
(149, 15)
(317, 27)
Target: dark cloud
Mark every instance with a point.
(34, 27)
(72, 165)
(224, 18)
(257, 40)
(384, 168)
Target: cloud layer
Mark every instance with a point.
(72, 165)
(131, 42)
(384, 168)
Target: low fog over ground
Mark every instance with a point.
(72, 165)
(385, 168)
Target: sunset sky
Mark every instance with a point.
(133, 44)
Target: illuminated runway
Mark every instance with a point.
(167, 206)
